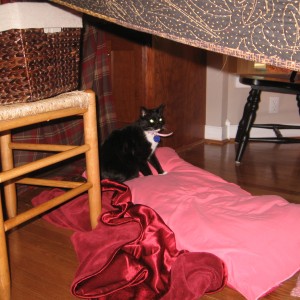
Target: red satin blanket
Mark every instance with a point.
(132, 254)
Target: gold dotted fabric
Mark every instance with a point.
(265, 31)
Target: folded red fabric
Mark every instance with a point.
(132, 253)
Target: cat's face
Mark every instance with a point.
(152, 119)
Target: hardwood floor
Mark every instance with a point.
(43, 261)
(266, 168)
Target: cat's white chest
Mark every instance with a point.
(150, 137)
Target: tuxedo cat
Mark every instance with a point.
(127, 151)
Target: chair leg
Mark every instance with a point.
(92, 160)
(298, 102)
(246, 122)
(10, 195)
(5, 289)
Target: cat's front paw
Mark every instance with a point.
(164, 173)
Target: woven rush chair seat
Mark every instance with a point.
(77, 103)
(276, 83)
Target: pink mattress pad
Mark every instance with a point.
(256, 236)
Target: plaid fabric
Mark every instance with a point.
(95, 75)
(55, 132)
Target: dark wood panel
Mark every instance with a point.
(128, 67)
(123, 81)
(148, 71)
(179, 73)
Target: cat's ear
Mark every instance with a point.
(161, 108)
(143, 111)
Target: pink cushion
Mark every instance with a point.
(256, 236)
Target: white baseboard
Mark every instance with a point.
(229, 132)
(216, 133)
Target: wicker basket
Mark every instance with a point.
(36, 65)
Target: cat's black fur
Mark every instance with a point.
(127, 151)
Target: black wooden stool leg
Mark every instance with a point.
(246, 122)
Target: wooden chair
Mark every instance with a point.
(278, 83)
(20, 115)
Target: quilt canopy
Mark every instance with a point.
(265, 31)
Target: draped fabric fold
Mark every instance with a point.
(132, 254)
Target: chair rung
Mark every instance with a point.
(43, 162)
(50, 183)
(278, 126)
(41, 147)
(44, 207)
(278, 140)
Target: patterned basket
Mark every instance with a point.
(37, 65)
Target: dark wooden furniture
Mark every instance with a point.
(279, 83)
(147, 71)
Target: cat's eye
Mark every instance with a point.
(160, 119)
(151, 121)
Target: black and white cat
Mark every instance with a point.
(127, 151)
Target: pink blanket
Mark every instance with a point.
(256, 236)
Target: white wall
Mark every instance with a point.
(225, 100)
